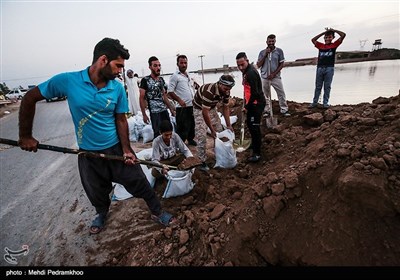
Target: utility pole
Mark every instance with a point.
(202, 70)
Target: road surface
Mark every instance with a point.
(43, 204)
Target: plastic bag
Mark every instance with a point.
(147, 133)
(225, 154)
(179, 183)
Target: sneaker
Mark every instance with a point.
(326, 106)
(254, 158)
(312, 105)
(192, 142)
(204, 167)
(286, 114)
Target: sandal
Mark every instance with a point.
(97, 224)
(165, 218)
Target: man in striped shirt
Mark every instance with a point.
(205, 114)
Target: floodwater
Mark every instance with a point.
(353, 83)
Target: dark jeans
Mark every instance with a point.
(185, 123)
(156, 119)
(97, 175)
(254, 114)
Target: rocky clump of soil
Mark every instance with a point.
(327, 192)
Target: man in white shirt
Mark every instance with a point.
(181, 89)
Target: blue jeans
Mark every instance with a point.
(324, 78)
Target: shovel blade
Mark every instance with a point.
(241, 146)
(271, 122)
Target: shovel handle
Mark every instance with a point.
(86, 153)
(42, 147)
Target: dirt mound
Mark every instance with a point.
(327, 192)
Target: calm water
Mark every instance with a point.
(353, 83)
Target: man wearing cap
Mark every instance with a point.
(205, 114)
(254, 102)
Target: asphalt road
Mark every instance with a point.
(42, 201)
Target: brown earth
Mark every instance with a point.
(326, 193)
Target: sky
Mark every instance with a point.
(42, 38)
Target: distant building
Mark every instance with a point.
(377, 44)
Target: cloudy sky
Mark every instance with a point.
(42, 38)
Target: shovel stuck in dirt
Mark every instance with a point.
(187, 165)
(242, 144)
(271, 120)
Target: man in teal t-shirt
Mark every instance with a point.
(98, 105)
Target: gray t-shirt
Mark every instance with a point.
(183, 87)
(161, 151)
(277, 57)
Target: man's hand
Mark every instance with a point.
(182, 103)
(28, 144)
(165, 170)
(130, 159)
(146, 119)
(214, 134)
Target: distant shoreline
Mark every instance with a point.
(341, 58)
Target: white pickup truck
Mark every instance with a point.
(16, 93)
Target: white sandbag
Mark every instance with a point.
(120, 193)
(146, 155)
(179, 183)
(147, 133)
(225, 154)
(232, 119)
(135, 126)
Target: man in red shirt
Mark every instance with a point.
(326, 63)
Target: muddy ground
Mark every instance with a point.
(326, 193)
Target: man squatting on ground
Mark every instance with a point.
(168, 148)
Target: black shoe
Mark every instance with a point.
(192, 142)
(254, 158)
(204, 167)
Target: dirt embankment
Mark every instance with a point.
(327, 192)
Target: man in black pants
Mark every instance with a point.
(254, 102)
(98, 106)
(181, 89)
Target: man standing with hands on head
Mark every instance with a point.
(271, 61)
(326, 64)
(181, 90)
(98, 105)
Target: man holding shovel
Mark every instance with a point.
(98, 105)
(254, 102)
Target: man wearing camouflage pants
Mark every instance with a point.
(205, 114)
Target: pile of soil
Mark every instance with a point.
(326, 192)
